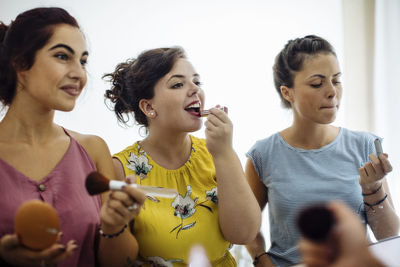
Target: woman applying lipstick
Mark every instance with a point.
(215, 205)
(43, 56)
(313, 161)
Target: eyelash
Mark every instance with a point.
(65, 57)
(178, 85)
(316, 85)
(62, 56)
(320, 84)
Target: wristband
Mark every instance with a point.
(371, 206)
(257, 258)
(373, 192)
(112, 235)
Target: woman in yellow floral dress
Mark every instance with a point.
(214, 207)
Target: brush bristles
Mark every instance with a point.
(315, 222)
(96, 183)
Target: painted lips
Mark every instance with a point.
(72, 90)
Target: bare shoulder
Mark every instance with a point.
(95, 146)
(92, 143)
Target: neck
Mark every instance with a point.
(169, 150)
(27, 124)
(312, 136)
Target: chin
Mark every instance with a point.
(194, 128)
(327, 120)
(65, 108)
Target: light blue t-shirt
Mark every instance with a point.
(297, 177)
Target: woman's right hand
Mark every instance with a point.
(14, 253)
(121, 207)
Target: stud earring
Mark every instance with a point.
(151, 113)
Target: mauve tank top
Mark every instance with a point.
(64, 188)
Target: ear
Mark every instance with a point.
(287, 93)
(146, 107)
(21, 79)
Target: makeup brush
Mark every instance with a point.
(96, 183)
(315, 222)
(206, 112)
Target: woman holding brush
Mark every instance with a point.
(43, 56)
(215, 206)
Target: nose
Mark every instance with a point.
(77, 71)
(331, 90)
(194, 89)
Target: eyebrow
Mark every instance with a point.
(85, 53)
(181, 76)
(322, 76)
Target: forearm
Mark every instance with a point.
(382, 217)
(238, 208)
(118, 251)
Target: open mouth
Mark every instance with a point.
(194, 109)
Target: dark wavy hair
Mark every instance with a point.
(20, 41)
(135, 79)
(291, 58)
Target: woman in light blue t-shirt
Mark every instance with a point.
(313, 161)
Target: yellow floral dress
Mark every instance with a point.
(166, 229)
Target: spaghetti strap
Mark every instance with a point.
(66, 132)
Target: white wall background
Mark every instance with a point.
(232, 44)
(386, 84)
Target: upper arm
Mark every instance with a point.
(119, 169)
(257, 186)
(98, 151)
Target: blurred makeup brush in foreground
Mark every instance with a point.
(96, 183)
(198, 257)
(315, 222)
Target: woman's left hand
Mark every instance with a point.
(374, 171)
(219, 130)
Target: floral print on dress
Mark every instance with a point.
(139, 164)
(185, 207)
(212, 195)
(160, 262)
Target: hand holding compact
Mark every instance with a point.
(374, 171)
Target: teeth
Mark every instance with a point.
(196, 105)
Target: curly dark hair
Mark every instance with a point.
(291, 58)
(135, 79)
(20, 41)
